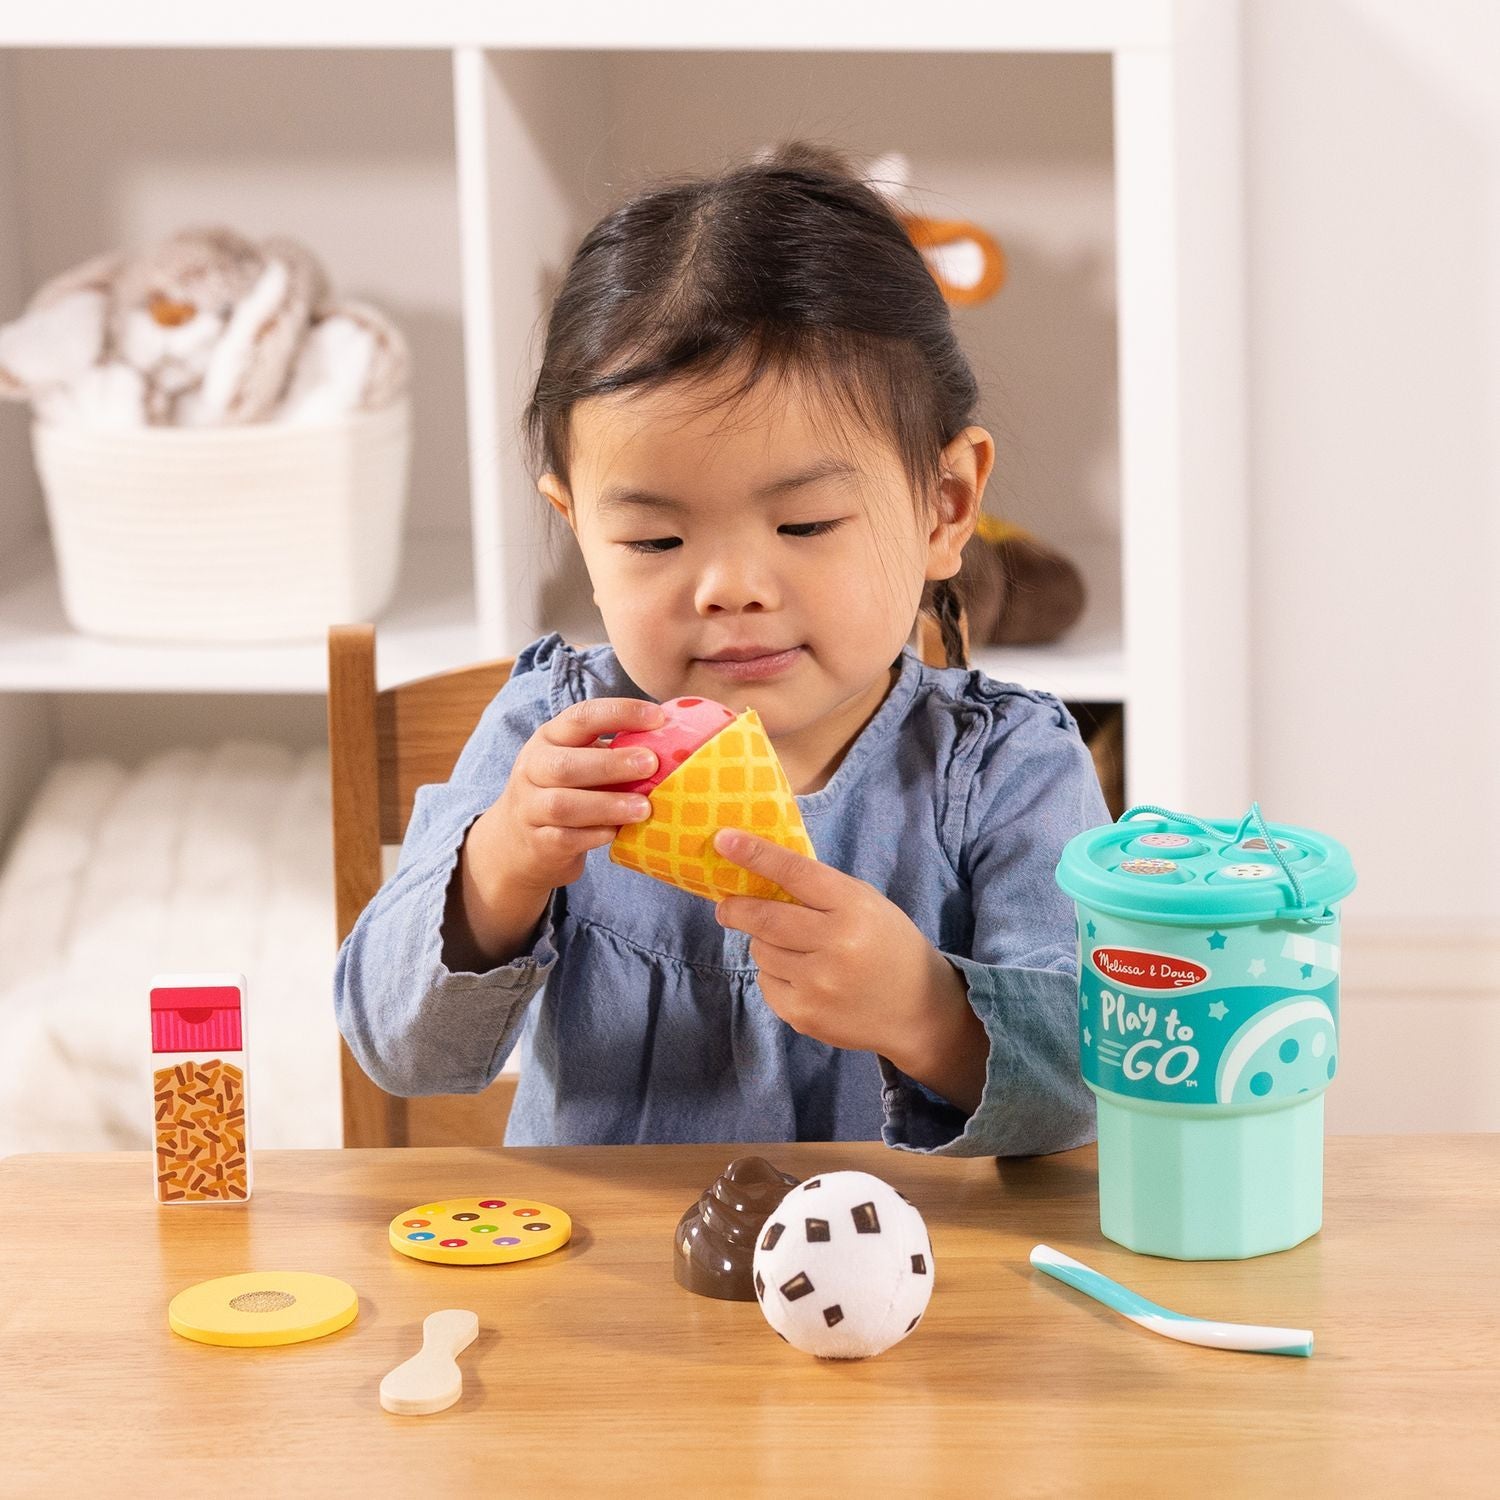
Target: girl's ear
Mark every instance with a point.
(964, 470)
(558, 497)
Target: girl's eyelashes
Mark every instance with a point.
(658, 545)
(813, 528)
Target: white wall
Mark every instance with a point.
(1372, 133)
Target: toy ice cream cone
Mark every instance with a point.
(733, 780)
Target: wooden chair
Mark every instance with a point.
(381, 748)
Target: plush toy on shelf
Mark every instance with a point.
(965, 259)
(205, 329)
(1016, 590)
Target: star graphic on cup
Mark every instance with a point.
(1217, 940)
(1087, 1037)
(1217, 1009)
(1257, 967)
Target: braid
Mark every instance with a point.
(947, 609)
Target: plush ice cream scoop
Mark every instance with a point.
(714, 770)
(844, 1266)
(688, 723)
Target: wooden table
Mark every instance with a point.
(595, 1373)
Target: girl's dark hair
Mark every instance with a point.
(790, 262)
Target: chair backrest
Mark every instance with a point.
(381, 747)
(930, 639)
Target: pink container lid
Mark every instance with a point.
(196, 1018)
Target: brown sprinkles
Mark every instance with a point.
(200, 1132)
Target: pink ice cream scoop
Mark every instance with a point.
(689, 723)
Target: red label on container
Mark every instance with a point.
(196, 997)
(1147, 971)
(196, 1031)
(196, 1018)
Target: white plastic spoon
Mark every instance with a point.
(1247, 1337)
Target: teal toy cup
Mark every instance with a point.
(1208, 980)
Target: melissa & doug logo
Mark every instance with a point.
(1148, 971)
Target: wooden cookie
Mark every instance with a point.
(480, 1231)
(257, 1308)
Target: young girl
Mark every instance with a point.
(754, 416)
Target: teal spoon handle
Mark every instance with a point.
(1248, 1337)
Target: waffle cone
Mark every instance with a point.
(733, 780)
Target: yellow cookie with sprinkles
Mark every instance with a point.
(480, 1231)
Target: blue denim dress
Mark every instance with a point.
(640, 1019)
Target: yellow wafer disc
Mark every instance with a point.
(480, 1231)
(734, 780)
(263, 1307)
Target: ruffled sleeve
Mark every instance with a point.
(1030, 786)
(415, 1026)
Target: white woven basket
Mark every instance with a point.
(257, 533)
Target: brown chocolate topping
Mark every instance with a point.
(716, 1236)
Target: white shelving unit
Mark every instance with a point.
(444, 160)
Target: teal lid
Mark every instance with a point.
(1163, 866)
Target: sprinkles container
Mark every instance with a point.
(201, 1120)
(1208, 964)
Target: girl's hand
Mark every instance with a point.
(848, 967)
(551, 812)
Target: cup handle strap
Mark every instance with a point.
(1299, 911)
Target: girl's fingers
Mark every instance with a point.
(588, 766)
(594, 838)
(775, 966)
(805, 880)
(583, 723)
(567, 807)
(788, 928)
